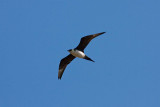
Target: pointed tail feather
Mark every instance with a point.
(87, 58)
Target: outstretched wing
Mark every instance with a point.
(63, 64)
(85, 41)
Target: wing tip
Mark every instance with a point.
(102, 32)
(59, 78)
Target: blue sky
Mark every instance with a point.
(36, 34)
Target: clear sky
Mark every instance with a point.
(36, 34)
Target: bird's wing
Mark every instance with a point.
(85, 41)
(63, 64)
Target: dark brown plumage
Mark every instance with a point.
(85, 41)
(63, 64)
(82, 45)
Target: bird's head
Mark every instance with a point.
(69, 50)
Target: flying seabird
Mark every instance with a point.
(76, 52)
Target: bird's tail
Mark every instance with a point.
(87, 58)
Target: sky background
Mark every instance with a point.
(36, 34)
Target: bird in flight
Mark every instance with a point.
(76, 52)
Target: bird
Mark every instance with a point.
(77, 52)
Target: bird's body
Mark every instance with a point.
(76, 52)
(79, 54)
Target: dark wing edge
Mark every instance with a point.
(85, 41)
(63, 64)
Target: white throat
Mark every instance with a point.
(77, 53)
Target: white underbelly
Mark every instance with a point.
(77, 53)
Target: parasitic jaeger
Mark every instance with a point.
(76, 52)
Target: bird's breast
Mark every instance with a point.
(78, 53)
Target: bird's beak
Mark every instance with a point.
(69, 50)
